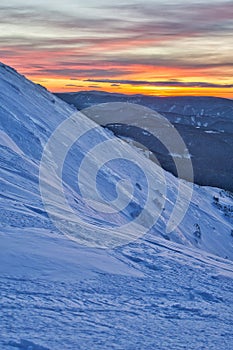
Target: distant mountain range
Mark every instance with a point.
(205, 124)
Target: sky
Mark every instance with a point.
(155, 47)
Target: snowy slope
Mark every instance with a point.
(161, 291)
(147, 295)
(29, 115)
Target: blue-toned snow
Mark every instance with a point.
(160, 292)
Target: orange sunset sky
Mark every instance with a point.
(151, 47)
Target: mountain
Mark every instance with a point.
(205, 124)
(59, 288)
(181, 105)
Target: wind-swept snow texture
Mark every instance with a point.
(161, 291)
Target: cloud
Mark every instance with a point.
(175, 83)
(94, 87)
(85, 72)
(121, 42)
(123, 25)
(47, 18)
(74, 85)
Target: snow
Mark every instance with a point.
(158, 291)
(211, 132)
(8, 142)
(176, 155)
(155, 296)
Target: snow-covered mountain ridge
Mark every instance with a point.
(160, 291)
(29, 115)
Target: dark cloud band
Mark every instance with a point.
(161, 83)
